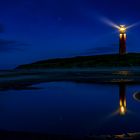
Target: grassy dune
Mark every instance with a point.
(110, 60)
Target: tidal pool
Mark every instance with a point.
(71, 108)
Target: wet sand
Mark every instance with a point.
(26, 79)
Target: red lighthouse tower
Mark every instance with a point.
(122, 48)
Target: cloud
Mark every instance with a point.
(10, 45)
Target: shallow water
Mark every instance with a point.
(71, 108)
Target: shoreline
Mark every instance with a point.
(25, 79)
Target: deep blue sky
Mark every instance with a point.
(40, 29)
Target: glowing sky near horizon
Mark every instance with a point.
(42, 29)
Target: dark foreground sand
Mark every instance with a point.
(5, 135)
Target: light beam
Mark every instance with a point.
(133, 25)
(110, 23)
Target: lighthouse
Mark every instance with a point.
(122, 48)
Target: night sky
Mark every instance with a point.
(32, 30)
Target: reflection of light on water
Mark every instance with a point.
(122, 72)
(122, 102)
(121, 80)
(122, 110)
(113, 114)
(136, 96)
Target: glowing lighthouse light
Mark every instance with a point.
(122, 30)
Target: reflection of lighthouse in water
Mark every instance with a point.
(122, 103)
